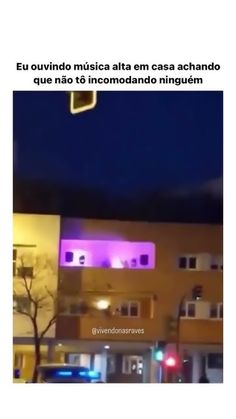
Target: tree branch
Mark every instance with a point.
(25, 313)
(50, 323)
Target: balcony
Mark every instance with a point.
(201, 331)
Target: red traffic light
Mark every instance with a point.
(171, 360)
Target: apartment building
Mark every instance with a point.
(120, 284)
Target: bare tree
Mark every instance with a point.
(41, 298)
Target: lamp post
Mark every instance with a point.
(197, 292)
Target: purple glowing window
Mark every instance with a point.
(107, 254)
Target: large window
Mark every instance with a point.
(132, 364)
(107, 254)
(129, 309)
(23, 260)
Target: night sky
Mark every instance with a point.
(131, 141)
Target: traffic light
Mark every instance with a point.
(159, 351)
(171, 360)
(82, 101)
(197, 292)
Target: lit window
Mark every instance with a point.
(132, 364)
(140, 367)
(115, 254)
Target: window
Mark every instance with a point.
(25, 272)
(14, 261)
(111, 364)
(23, 260)
(187, 262)
(216, 263)
(182, 311)
(183, 263)
(191, 310)
(213, 311)
(221, 311)
(98, 254)
(21, 303)
(132, 364)
(188, 310)
(18, 360)
(79, 308)
(215, 361)
(216, 311)
(192, 263)
(130, 309)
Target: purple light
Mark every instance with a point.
(107, 254)
(116, 263)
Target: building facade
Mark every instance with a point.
(120, 287)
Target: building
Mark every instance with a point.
(120, 285)
(35, 258)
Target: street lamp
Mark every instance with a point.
(102, 304)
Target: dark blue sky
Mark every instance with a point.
(130, 141)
